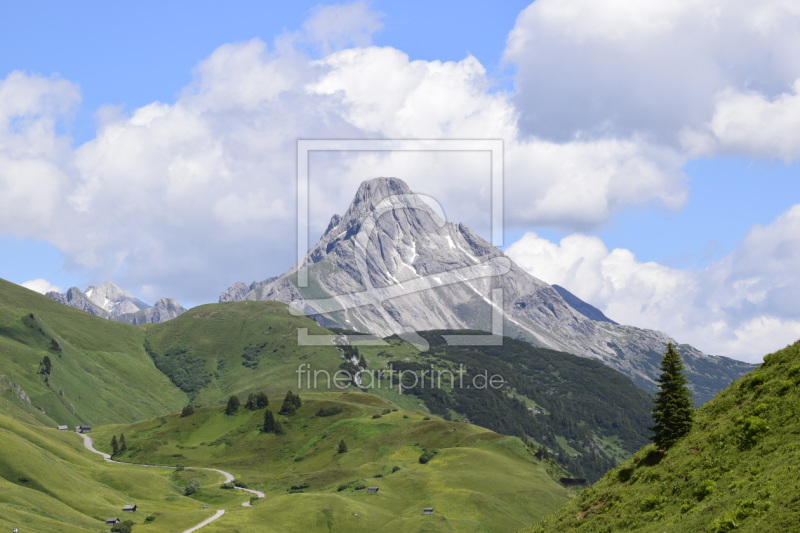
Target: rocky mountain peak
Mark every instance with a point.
(74, 297)
(386, 193)
(113, 299)
(387, 216)
(108, 290)
(372, 191)
(109, 301)
(391, 266)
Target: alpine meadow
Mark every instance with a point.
(373, 266)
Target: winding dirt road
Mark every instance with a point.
(88, 443)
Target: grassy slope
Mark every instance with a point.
(591, 416)
(479, 480)
(215, 337)
(101, 373)
(737, 470)
(49, 482)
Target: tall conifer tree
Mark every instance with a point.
(269, 422)
(233, 405)
(673, 414)
(290, 404)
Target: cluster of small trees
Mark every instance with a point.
(259, 400)
(254, 402)
(118, 446)
(290, 404)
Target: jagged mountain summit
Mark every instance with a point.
(392, 265)
(109, 301)
(114, 300)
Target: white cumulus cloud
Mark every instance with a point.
(744, 305)
(339, 26)
(41, 286)
(748, 122)
(619, 68)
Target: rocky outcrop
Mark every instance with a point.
(76, 298)
(164, 309)
(240, 291)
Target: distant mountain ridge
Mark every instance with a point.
(391, 265)
(109, 301)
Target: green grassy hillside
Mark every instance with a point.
(737, 470)
(216, 350)
(477, 480)
(49, 482)
(98, 370)
(59, 365)
(588, 415)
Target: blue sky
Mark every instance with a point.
(651, 150)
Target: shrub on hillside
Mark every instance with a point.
(427, 455)
(123, 527)
(329, 411)
(191, 487)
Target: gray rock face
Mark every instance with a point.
(113, 299)
(391, 265)
(587, 310)
(110, 302)
(239, 291)
(164, 309)
(74, 297)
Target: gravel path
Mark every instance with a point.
(88, 443)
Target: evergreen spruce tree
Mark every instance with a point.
(296, 401)
(114, 446)
(187, 411)
(123, 446)
(362, 363)
(251, 403)
(342, 446)
(261, 400)
(233, 405)
(269, 422)
(289, 404)
(278, 428)
(672, 414)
